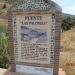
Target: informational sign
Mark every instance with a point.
(33, 36)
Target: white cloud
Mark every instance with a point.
(68, 6)
(60, 2)
(70, 10)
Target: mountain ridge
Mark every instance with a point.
(68, 15)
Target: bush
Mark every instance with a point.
(3, 49)
(67, 23)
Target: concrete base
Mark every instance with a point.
(6, 72)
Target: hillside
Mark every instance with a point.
(67, 54)
(68, 40)
(66, 15)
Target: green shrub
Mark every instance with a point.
(3, 47)
(3, 29)
(67, 23)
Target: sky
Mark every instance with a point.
(68, 6)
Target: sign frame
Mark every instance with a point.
(55, 65)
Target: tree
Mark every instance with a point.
(67, 23)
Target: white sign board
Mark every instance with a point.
(33, 38)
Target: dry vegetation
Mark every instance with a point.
(3, 22)
(68, 40)
(67, 55)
